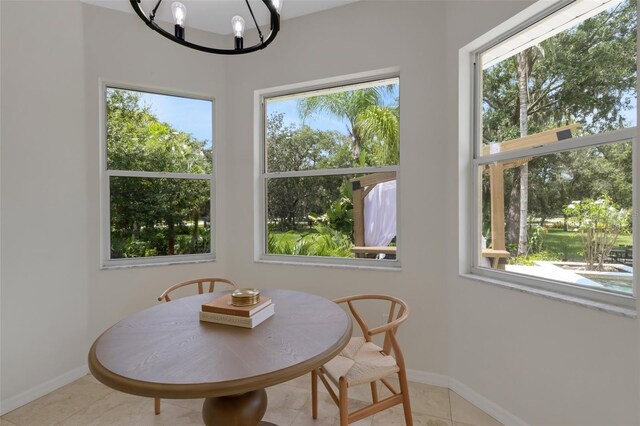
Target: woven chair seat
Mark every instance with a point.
(360, 362)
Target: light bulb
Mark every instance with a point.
(237, 23)
(277, 4)
(179, 13)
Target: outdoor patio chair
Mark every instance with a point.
(200, 283)
(362, 362)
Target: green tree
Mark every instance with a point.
(380, 127)
(599, 223)
(292, 199)
(586, 74)
(147, 214)
(368, 120)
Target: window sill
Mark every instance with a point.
(302, 261)
(574, 300)
(159, 262)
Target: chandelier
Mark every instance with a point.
(179, 12)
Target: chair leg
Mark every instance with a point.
(156, 405)
(314, 394)
(374, 391)
(406, 402)
(344, 403)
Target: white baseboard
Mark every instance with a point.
(433, 379)
(486, 405)
(36, 392)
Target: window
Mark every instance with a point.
(329, 166)
(158, 178)
(552, 158)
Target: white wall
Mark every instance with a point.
(135, 55)
(351, 39)
(44, 195)
(55, 299)
(547, 362)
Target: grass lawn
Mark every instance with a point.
(568, 243)
(289, 236)
(565, 243)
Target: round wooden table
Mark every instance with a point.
(166, 352)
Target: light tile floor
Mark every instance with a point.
(87, 402)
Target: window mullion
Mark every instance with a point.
(167, 175)
(331, 172)
(615, 136)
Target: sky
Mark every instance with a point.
(323, 122)
(194, 115)
(291, 117)
(185, 114)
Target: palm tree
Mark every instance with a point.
(367, 118)
(524, 60)
(382, 124)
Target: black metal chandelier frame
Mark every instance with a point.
(238, 50)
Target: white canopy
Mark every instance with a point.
(380, 214)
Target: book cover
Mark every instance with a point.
(222, 305)
(246, 322)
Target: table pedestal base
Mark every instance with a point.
(235, 410)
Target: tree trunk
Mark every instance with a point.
(513, 213)
(523, 74)
(357, 142)
(194, 234)
(524, 207)
(171, 234)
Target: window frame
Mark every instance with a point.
(105, 175)
(261, 176)
(470, 159)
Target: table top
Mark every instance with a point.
(166, 352)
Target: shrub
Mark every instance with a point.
(319, 241)
(138, 248)
(529, 260)
(536, 239)
(599, 223)
(339, 215)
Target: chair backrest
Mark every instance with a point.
(200, 282)
(398, 313)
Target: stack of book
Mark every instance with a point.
(221, 311)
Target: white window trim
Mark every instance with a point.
(106, 174)
(261, 176)
(468, 195)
